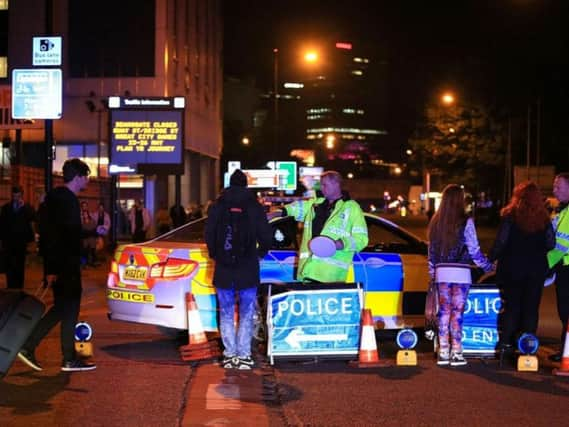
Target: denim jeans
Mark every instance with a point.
(237, 344)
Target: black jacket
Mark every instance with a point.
(16, 229)
(246, 273)
(520, 254)
(62, 232)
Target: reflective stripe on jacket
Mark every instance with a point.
(561, 250)
(346, 222)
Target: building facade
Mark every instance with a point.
(130, 48)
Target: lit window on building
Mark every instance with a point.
(3, 4)
(357, 72)
(3, 67)
(318, 110)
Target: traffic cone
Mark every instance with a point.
(368, 356)
(198, 348)
(564, 368)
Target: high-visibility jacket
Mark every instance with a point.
(346, 222)
(561, 250)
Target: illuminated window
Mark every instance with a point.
(347, 130)
(357, 72)
(318, 110)
(293, 85)
(3, 67)
(3, 4)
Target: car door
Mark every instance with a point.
(393, 271)
(281, 262)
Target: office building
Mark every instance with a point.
(127, 49)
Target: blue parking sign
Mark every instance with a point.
(37, 93)
(314, 322)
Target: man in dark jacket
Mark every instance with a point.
(62, 243)
(16, 231)
(236, 223)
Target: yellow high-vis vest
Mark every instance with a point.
(346, 222)
(561, 250)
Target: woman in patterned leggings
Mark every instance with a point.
(453, 246)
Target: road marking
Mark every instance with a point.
(222, 397)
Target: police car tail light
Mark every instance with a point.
(173, 268)
(112, 280)
(113, 277)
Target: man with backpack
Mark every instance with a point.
(236, 224)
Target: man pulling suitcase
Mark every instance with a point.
(63, 268)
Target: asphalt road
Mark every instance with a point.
(141, 381)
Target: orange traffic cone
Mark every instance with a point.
(564, 368)
(368, 356)
(198, 348)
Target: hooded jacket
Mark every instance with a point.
(246, 273)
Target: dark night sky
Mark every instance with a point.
(509, 52)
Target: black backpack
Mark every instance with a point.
(233, 236)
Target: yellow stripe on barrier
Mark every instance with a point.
(384, 303)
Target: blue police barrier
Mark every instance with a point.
(480, 321)
(313, 320)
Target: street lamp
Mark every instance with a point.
(447, 98)
(276, 101)
(311, 56)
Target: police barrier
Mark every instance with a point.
(480, 321)
(313, 320)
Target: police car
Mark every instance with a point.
(147, 282)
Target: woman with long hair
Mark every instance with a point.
(453, 246)
(524, 237)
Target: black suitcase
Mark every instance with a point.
(19, 314)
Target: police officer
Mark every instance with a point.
(336, 216)
(558, 258)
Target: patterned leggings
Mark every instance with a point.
(452, 297)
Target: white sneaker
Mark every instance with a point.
(443, 358)
(457, 359)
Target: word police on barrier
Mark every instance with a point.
(314, 322)
(480, 321)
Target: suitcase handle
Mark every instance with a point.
(42, 289)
